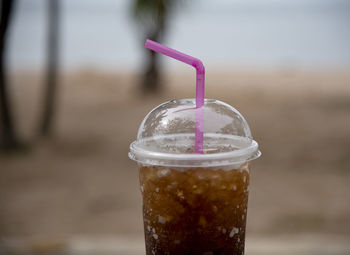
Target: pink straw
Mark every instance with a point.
(200, 78)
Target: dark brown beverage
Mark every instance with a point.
(194, 211)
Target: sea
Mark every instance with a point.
(104, 35)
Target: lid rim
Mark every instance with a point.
(142, 155)
(204, 163)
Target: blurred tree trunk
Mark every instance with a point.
(9, 139)
(151, 80)
(153, 16)
(52, 68)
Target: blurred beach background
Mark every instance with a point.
(285, 65)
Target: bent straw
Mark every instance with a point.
(200, 78)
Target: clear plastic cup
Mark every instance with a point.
(194, 203)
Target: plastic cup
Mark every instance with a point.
(194, 203)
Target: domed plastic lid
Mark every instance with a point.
(166, 136)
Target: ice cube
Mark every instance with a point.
(162, 172)
(234, 231)
(161, 219)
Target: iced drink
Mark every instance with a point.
(194, 210)
(194, 159)
(194, 203)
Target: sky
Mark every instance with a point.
(247, 33)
